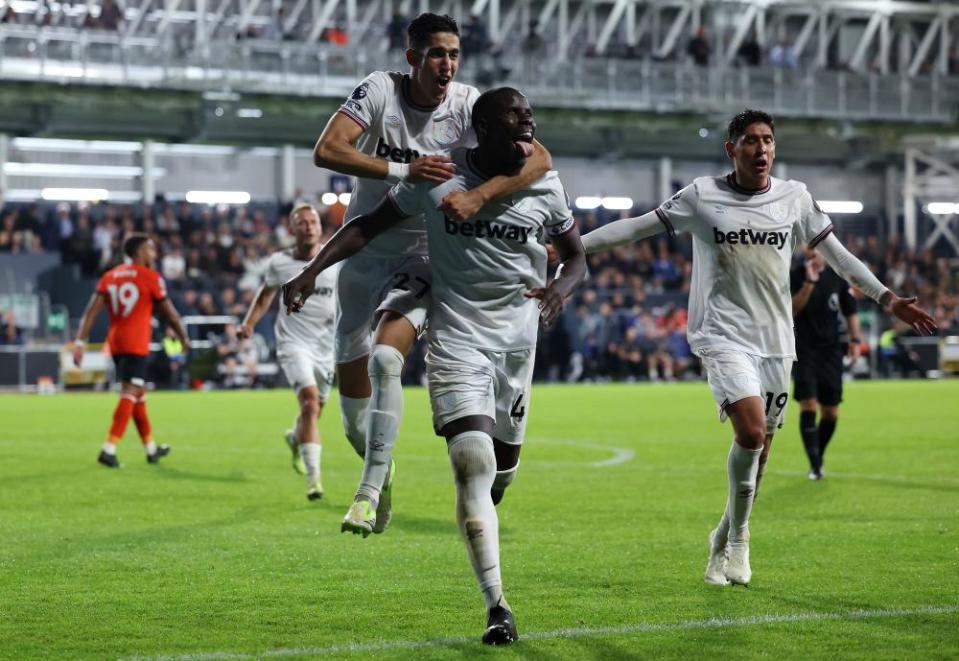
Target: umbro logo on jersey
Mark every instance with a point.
(323, 291)
(484, 229)
(748, 237)
(395, 154)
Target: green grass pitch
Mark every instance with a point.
(216, 553)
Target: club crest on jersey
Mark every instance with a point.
(751, 237)
(777, 211)
(360, 92)
(444, 132)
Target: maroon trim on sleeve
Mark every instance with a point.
(819, 238)
(669, 226)
(363, 125)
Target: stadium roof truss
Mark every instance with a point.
(854, 59)
(930, 184)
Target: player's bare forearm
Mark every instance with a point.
(94, 306)
(571, 271)
(801, 297)
(335, 150)
(623, 232)
(259, 306)
(502, 186)
(855, 329)
(172, 318)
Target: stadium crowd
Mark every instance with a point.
(627, 322)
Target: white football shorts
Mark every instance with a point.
(304, 368)
(469, 381)
(366, 287)
(735, 375)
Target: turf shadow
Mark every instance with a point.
(423, 525)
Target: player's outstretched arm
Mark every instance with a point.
(348, 240)
(570, 273)
(855, 272)
(335, 150)
(172, 317)
(621, 232)
(259, 306)
(461, 205)
(94, 306)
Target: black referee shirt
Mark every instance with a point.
(817, 324)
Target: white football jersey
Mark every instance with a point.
(312, 327)
(742, 248)
(483, 267)
(398, 130)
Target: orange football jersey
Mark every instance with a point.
(130, 292)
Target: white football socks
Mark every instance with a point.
(353, 414)
(150, 448)
(310, 454)
(474, 468)
(742, 467)
(109, 448)
(385, 413)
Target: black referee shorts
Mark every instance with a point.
(817, 374)
(130, 368)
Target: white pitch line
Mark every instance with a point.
(620, 455)
(576, 632)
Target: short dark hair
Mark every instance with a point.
(739, 123)
(132, 243)
(487, 103)
(426, 24)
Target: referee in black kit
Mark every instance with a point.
(819, 296)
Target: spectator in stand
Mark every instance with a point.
(110, 16)
(8, 228)
(173, 264)
(238, 359)
(474, 38)
(396, 32)
(337, 35)
(206, 305)
(782, 56)
(10, 333)
(750, 53)
(698, 48)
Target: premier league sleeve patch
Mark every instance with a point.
(360, 92)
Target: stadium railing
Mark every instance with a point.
(290, 67)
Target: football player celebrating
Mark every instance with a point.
(304, 344)
(129, 292)
(745, 225)
(489, 292)
(397, 127)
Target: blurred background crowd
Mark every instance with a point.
(628, 321)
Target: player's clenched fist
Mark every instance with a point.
(244, 331)
(461, 205)
(297, 290)
(431, 168)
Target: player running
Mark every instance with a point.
(397, 127)
(745, 226)
(482, 341)
(818, 296)
(304, 344)
(129, 292)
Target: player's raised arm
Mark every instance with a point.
(335, 150)
(571, 270)
(855, 272)
(259, 306)
(172, 317)
(461, 205)
(622, 232)
(94, 306)
(348, 240)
